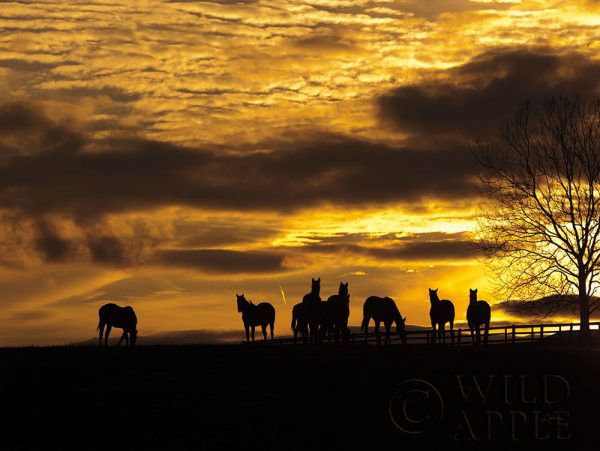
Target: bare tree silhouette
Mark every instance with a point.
(540, 230)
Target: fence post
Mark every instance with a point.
(505, 335)
(542, 331)
(513, 333)
(532, 335)
(571, 330)
(427, 337)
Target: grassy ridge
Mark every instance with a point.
(193, 397)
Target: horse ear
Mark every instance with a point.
(319, 279)
(475, 291)
(436, 290)
(404, 319)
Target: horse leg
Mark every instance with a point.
(377, 336)
(101, 329)
(472, 335)
(433, 335)
(252, 330)
(452, 332)
(121, 339)
(106, 334)
(388, 339)
(271, 327)
(485, 333)
(478, 335)
(346, 333)
(127, 339)
(264, 331)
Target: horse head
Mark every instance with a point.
(401, 326)
(241, 302)
(433, 295)
(316, 286)
(472, 295)
(133, 336)
(343, 291)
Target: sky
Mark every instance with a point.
(169, 155)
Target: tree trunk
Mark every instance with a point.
(584, 309)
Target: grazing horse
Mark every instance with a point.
(478, 313)
(298, 322)
(111, 315)
(382, 309)
(312, 310)
(441, 312)
(336, 313)
(256, 315)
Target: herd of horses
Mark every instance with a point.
(315, 319)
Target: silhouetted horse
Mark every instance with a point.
(382, 309)
(478, 313)
(111, 315)
(336, 313)
(312, 310)
(326, 321)
(298, 322)
(441, 312)
(256, 315)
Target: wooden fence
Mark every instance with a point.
(509, 334)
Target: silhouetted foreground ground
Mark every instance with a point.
(201, 397)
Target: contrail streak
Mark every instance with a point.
(282, 293)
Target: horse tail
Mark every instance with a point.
(294, 321)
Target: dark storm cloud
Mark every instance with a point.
(61, 172)
(25, 128)
(555, 305)
(18, 117)
(221, 260)
(427, 246)
(324, 43)
(114, 93)
(431, 250)
(107, 249)
(475, 99)
(50, 244)
(219, 233)
(25, 66)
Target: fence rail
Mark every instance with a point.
(509, 334)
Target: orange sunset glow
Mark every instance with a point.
(170, 154)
